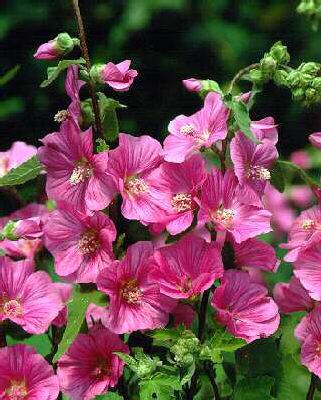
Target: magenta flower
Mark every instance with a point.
(132, 165)
(223, 205)
(27, 298)
(192, 84)
(292, 297)
(80, 244)
(24, 374)
(135, 299)
(301, 195)
(304, 232)
(15, 156)
(64, 291)
(90, 367)
(47, 51)
(252, 165)
(118, 76)
(95, 315)
(187, 268)
(315, 139)
(202, 129)
(244, 307)
(29, 228)
(74, 173)
(265, 130)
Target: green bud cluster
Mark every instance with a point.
(186, 349)
(8, 232)
(64, 43)
(312, 10)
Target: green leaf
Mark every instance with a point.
(9, 75)
(53, 72)
(107, 107)
(224, 341)
(277, 177)
(289, 345)
(258, 388)
(109, 396)
(25, 172)
(288, 167)
(161, 385)
(166, 337)
(211, 158)
(41, 343)
(101, 145)
(77, 310)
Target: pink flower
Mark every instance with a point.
(301, 195)
(309, 333)
(265, 130)
(292, 297)
(64, 291)
(202, 129)
(27, 298)
(29, 228)
(301, 158)
(118, 76)
(252, 163)
(315, 139)
(183, 314)
(24, 374)
(135, 299)
(223, 206)
(304, 232)
(244, 307)
(15, 156)
(80, 244)
(74, 173)
(90, 367)
(47, 51)
(95, 315)
(132, 165)
(182, 182)
(192, 84)
(187, 268)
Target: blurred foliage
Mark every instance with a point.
(168, 40)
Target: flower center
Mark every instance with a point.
(182, 202)
(224, 216)
(81, 172)
(189, 130)
(89, 242)
(256, 172)
(135, 185)
(62, 116)
(186, 285)
(130, 292)
(10, 308)
(16, 391)
(102, 369)
(308, 224)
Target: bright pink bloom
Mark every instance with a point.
(223, 205)
(183, 314)
(307, 268)
(64, 291)
(90, 367)
(74, 173)
(315, 139)
(301, 158)
(192, 84)
(265, 130)
(244, 307)
(187, 268)
(202, 129)
(292, 297)
(81, 244)
(18, 153)
(47, 51)
(118, 76)
(95, 315)
(305, 231)
(182, 182)
(132, 165)
(308, 332)
(27, 298)
(135, 299)
(252, 165)
(301, 195)
(24, 374)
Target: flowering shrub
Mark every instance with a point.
(154, 271)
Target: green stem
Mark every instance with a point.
(208, 368)
(242, 72)
(312, 388)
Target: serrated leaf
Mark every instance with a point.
(30, 169)
(9, 75)
(53, 72)
(76, 314)
(258, 388)
(242, 118)
(161, 385)
(224, 341)
(166, 337)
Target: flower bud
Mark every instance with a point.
(311, 95)
(280, 53)
(298, 94)
(316, 83)
(294, 78)
(185, 350)
(311, 68)
(281, 77)
(29, 228)
(192, 84)
(59, 46)
(268, 64)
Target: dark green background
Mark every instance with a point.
(168, 40)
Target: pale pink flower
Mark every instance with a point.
(202, 129)
(183, 314)
(133, 166)
(265, 130)
(223, 205)
(81, 244)
(24, 374)
(292, 297)
(305, 231)
(315, 139)
(27, 298)
(74, 173)
(135, 299)
(18, 153)
(90, 367)
(244, 307)
(118, 76)
(301, 195)
(192, 84)
(301, 158)
(252, 164)
(64, 291)
(187, 268)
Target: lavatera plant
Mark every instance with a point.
(149, 271)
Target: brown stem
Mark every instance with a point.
(241, 72)
(312, 387)
(210, 373)
(85, 53)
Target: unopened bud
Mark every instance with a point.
(280, 53)
(59, 46)
(311, 68)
